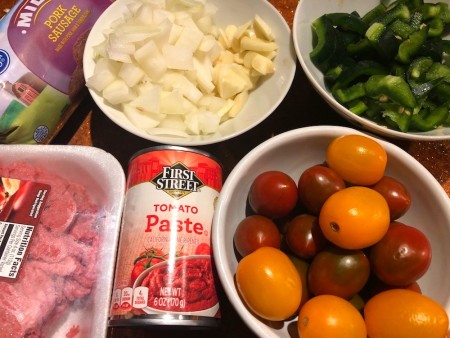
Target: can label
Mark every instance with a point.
(164, 260)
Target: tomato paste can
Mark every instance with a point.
(164, 273)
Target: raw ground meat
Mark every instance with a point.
(61, 266)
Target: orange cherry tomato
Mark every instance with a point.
(402, 313)
(269, 283)
(358, 159)
(355, 217)
(330, 316)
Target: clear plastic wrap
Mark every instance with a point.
(60, 211)
(41, 68)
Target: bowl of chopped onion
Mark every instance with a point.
(189, 72)
(383, 66)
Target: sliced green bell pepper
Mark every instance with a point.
(415, 21)
(327, 44)
(375, 31)
(396, 116)
(430, 10)
(441, 93)
(344, 95)
(383, 40)
(361, 71)
(412, 4)
(401, 28)
(438, 70)
(395, 88)
(422, 90)
(446, 46)
(433, 48)
(411, 46)
(400, 11)
(348, 22)
(374, 13)
(360, 48)
(398, 69)
(444, 14)
(435, 27)
(417, 70)
(357, 106)
(390, 64)
(427, 120)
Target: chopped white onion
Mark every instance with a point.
(118, 92)
(173, 72)
(178, 57)
(160, 131)
(144, 120)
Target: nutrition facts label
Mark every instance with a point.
(14, 240)
(21, 206)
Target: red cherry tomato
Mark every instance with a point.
(302, 267)
(402, 256)
(375, 286)
(338, 272)
(396, 195)
(316, 184)
(273, 194)
(304, 236)
(256, 231)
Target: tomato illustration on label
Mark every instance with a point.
(203, 249)
(145, 260)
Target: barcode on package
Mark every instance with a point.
(14, 241)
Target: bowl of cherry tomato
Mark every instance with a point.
(381, 66)
(310, 202)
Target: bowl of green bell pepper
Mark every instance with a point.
(384, 66)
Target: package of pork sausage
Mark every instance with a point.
(41, 76)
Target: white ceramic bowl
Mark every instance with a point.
(293, 152)
(309, 10)
(262, 101)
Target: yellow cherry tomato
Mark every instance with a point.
(330, 316)
(358, 159)
(402, 313)
(269, 284)
(355, 217)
